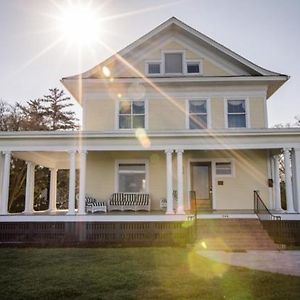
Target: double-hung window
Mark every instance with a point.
(131, 114)
(131, 177)
(197, 114)
(236, 114)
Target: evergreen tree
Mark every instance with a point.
(57, 111)
(52, 112)
(33, 116)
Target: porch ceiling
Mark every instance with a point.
(59, 160)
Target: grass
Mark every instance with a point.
(132, 273)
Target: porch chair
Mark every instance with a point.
(93, 205)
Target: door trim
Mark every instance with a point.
(213, 175)
(213, 181)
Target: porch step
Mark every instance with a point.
(237, 234)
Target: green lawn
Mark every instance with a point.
(132, 273)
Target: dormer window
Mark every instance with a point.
(153, 68)
(193, 67)
(173, 63)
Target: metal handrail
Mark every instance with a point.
(193, 199)
(261, 209)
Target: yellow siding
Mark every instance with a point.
(165, 114)
(210, 69)
(101, 174)
(250, 174)
(99, 115)
(235, 193)
(217, 113)
(257, 112)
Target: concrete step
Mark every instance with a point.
(241, 234)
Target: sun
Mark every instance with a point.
(80, 24)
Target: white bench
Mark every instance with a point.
(129, 201)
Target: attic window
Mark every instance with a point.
(193, 67)
(153, 68)
(173, 63)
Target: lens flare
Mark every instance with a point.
(143, 138)
(106, 71)
(205, 268)
(203, 244)
(80, 24)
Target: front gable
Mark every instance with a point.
(216, 63)
(140, 60)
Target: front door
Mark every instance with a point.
(201, 184)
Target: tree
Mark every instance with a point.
(52, 112)
(33, 116)
(281, 161)
(58, 115)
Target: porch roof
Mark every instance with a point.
(151, 140)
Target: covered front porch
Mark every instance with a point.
(224, 171)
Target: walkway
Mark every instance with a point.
(284, 262)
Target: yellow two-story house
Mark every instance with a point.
(175, 116)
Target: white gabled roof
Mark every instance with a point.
(229, 54)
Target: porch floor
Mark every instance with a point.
(139, 216)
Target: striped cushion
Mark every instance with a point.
(89, 200)
(142, 199)
(116, 199)
(129, 199)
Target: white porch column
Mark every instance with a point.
(277, 194)
(82, 181)
(296, 179)
(29, 193)
(288, 181)
(180, 205)
(169, 175)
(5, 183)
(53, 190)
(72, 181)
(1, 174)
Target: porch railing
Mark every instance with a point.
(262, 211)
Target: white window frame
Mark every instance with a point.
(194, 62)
(224, 160)
(208, 112)
(185, 62)
(148, 62)
(247, 111)
(131, 161)
(117, 120)
(163, 52)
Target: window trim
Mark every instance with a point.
(117, 120)
(247, 111)
(208, 112)
(185, 62)
(191, 61)
(163, 71)
(131, 161)
(148, 62)
(224, 160)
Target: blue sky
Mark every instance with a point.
(266, 32)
